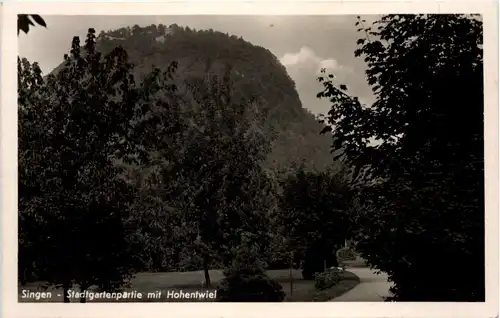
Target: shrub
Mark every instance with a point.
(346, 254)
(327, 279)
(246, 281)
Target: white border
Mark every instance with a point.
(8, 132)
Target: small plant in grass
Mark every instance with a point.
(246, 281)
(327, 279)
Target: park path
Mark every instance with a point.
(372, 286)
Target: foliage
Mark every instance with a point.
(314, 217)
(120, 177)
(184, 95)
(346, 254)
(212, 197)
(71, 127)
(25, 20)
(186, 191)
(423, 175)
(280, 253)
(158, 129)
(246, 281)
(327, 279)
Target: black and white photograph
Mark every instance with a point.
(264, 158)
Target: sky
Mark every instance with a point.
(303, 44)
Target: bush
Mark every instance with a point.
(246, 281)
(327, 279)
(346, 254)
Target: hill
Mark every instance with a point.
(255, 72)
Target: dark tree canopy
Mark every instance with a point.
(424, 208)
(72, 126)
(314, 217)
(216, 196)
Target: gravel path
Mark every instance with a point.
(372, 287)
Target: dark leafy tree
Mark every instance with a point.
(160, 130)
(231, 191)
(422, 207)
(75, 224)
(210, 151)
(315, 217)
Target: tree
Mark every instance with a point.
(209, 156)
(160, 127)
(314, 217)
(25, 20)
(422, 207)
(75, 224)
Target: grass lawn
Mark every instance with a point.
(303, 291)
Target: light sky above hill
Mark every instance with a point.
(304, 44)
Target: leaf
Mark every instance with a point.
(325, 130)
(38, 19)
(343, 87)
(360, 41)
(23, 23)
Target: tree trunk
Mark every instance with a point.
(66, 287)
(208, 284)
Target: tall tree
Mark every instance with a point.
(213, 179)
(423, 207)
(73, 205)
(315, 219)
(229, 189)
(160, 128)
